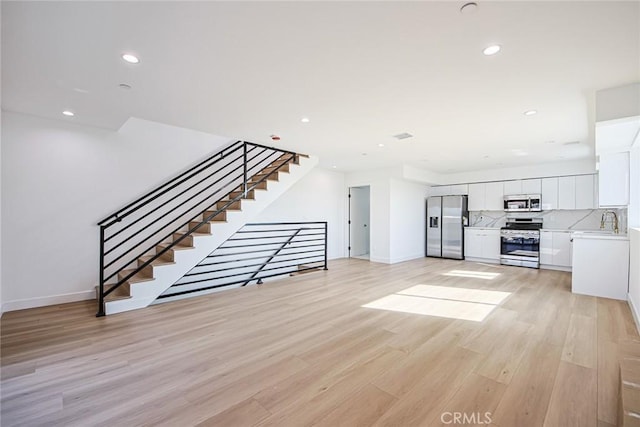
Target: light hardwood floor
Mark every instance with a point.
(304, 351)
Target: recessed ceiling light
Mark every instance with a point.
(68, 113)
(334, 166)
(486, 157)
(364, 154)
(131, 59)
(305, 120)
(530, 112)
(469, 8)
(491, 50)
(380, 145)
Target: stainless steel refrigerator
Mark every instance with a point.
(446, 218)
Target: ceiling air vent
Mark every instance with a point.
(403, 135)
(571, 143)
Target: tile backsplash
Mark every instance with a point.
(586, 219)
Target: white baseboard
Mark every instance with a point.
(634, 312)
(22, 304)
(407, 258)
(555, 267)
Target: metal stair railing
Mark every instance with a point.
(137, 229)
(255, 252)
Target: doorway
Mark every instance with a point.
(359, 226)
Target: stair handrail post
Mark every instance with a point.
(326, 236)
(244, 172)
(100, 312)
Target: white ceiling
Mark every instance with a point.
(361, 71)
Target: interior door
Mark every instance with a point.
(359, 215)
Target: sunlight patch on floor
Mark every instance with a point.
(442, 301)
(458, 294)
(472, 274)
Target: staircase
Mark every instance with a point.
(154, 241)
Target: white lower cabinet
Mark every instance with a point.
(555, 249)
(482, 243)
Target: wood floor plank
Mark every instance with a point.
(304, 351)
(580, 346)
(574, 397)
(526, 399)
(478, 398)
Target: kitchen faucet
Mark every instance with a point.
(615, 221)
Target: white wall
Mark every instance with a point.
(407, 220)
(319, 196)
(379, 184)
(59, 180)
(397, 214)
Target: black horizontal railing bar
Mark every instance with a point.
(171, 200)
(284, 223)
(238, 274)
(140, 199)
(235, 260)
(228, 183)
(272, 230)
(274, 243)
(258, 251)
(270, 237)
(184, 236)
(274, 149)
(199, 273)
(299, 270)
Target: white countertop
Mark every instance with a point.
(598, 235)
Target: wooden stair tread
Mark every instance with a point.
(177, 247)
(136, 278)
(157, 261)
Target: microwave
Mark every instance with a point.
(523, 203)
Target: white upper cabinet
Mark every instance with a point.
(513, 187)
(459, 190)
(567, 192)
(549, 191)
(531, 186)
(487, 196)
(476, 197)
(614, 179)
(494, 196)
(585, 192)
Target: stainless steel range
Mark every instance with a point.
(520, 242)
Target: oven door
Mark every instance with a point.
(520, 248)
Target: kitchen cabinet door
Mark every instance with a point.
(473, 243)
(562, 248)
(494, 196)
(546, 247)
(614, 180)
(440, 190)
(512, 188)
(476, 197)
(491, 244)
(585, 192)
(549, 191)
(459, 190)
(531, 186)
(567, 192)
